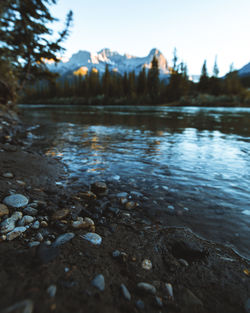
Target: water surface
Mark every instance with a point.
(191, 164)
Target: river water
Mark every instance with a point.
(190, 165)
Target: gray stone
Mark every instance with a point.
(94, 238)
(39, 237)
(99, 282)
(16, 201)
(247, 306)
(62, 239)
(122, 195)
(125, 292)
(8, 175)
(34, 244)
(9, 224)
(26, 306)
(26, 219)
(139, 304)
(116, 254)
(36, 225)
(30, 211)
(147, 288)
(52, 291)
(16, 232)
(136, 194)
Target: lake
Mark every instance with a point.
(189, 166)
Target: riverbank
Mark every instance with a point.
(199, 100)
(51, 264)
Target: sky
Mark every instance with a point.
(199, 29)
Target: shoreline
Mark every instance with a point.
(185, 273)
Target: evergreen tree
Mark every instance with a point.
(142, 82)
(215, 69)
(153, 80)
(106, 81)
(203, 85)
(25, 39)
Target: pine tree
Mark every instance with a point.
(25, 41)
(203, 85)
(215, 69)
(142, 82)
(153, 80)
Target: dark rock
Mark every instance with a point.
(189, 251)
(99, 188)
(46, 254)
(140, 304)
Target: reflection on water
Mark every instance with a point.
(191, 163)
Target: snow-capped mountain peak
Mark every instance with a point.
(115, 61)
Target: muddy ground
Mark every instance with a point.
(185, 273)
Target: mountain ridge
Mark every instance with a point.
(117, 62)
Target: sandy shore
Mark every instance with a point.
(51, 260)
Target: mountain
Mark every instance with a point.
(245, 70)
(83, 61)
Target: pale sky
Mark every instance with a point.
(199, 29)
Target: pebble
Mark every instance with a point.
(26, 219)
(147, 287)
(20, 182)
(94, 238)
(62, 239)
(3, 210)
(36, 225)
(136, 194)
(26, 306)
(84, 223)
(60, 214)
(158, 302)
(30, 211)
(16, 201)
(99, 282)
(87, 195)
(9, 224)
(125, 292)
(146, 264)
(116, 254)
(44, 224)
(183, 262)
(99, 188)
(2, 238)
(140, 304)
(39, 237)
(48, 242)
(52, 291)
(170, 292)
(34, 244)
(131, 205)
(8, 175)
(16, 232)
(122, 195)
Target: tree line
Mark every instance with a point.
(144, 88)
